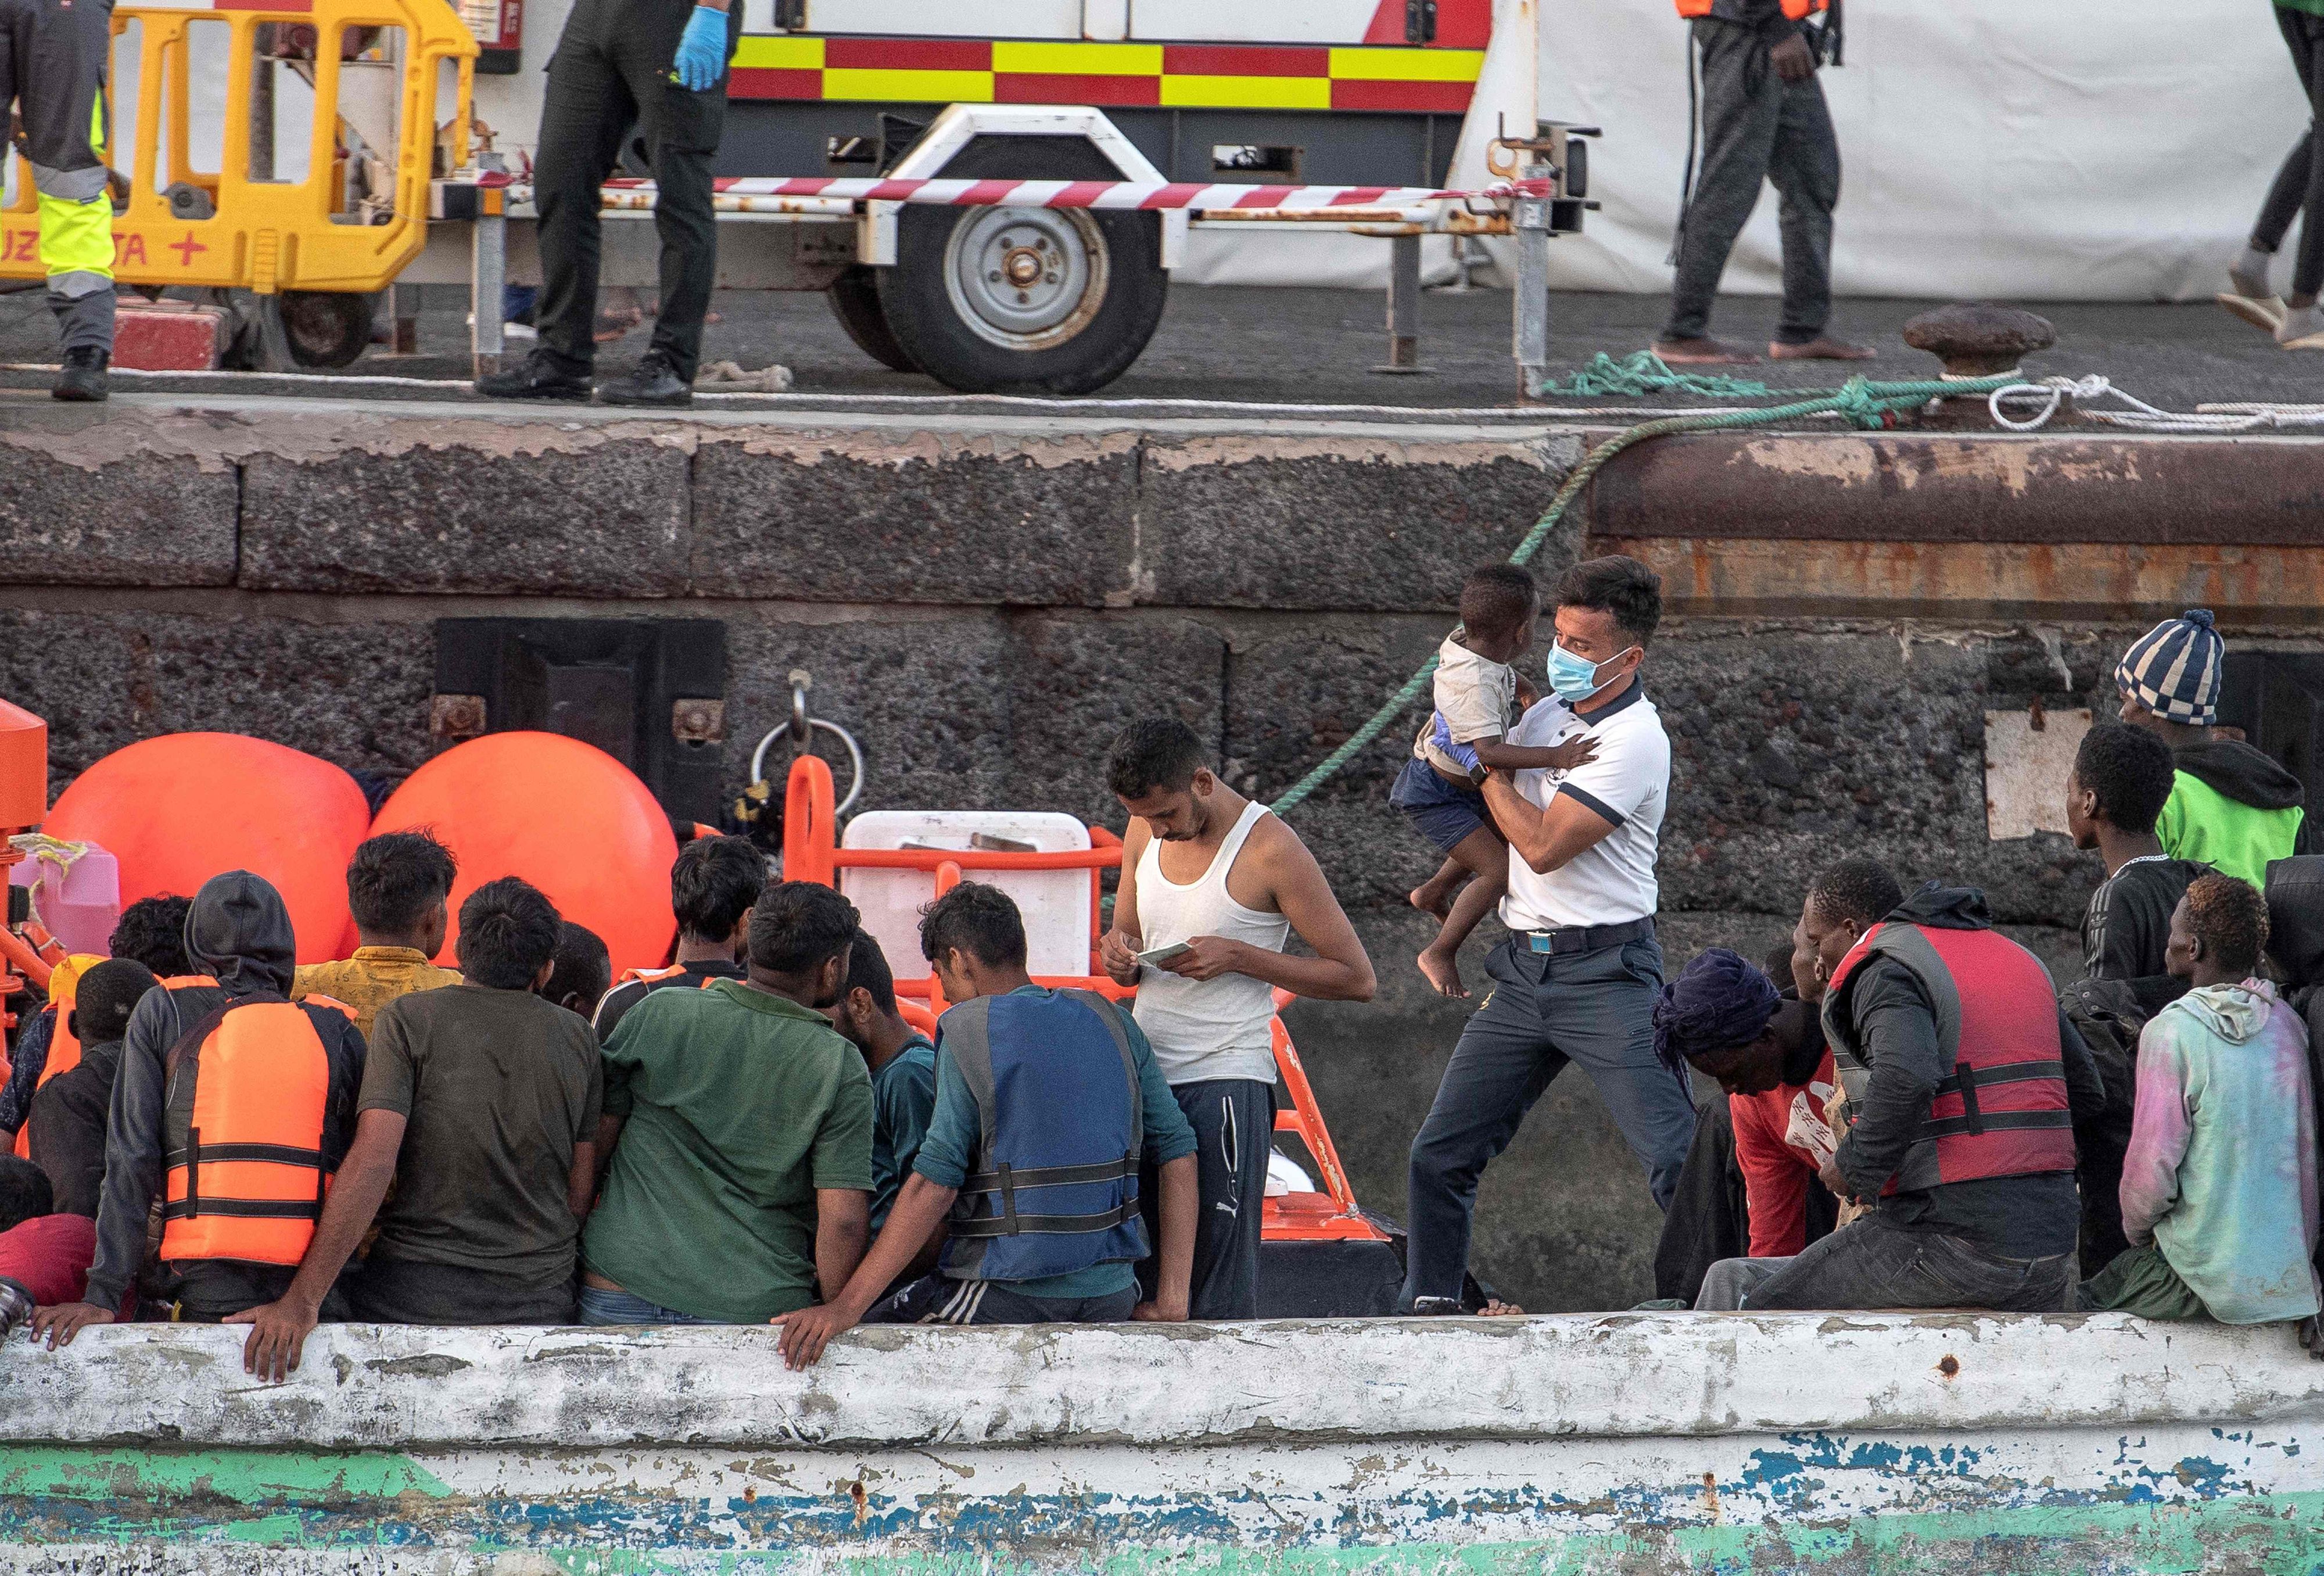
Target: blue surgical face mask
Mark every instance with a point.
(1575, 678)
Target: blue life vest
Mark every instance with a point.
(1053, 1185)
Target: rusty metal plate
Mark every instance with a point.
(1920, 487)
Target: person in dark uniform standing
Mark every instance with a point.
(662, 66)
(1763, 122)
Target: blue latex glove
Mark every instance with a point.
(702, 51)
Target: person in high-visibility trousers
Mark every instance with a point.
(53, 57)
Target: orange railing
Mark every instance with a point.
(811, 852)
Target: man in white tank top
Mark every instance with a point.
(1221, 882)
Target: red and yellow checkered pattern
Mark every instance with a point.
(919, 70)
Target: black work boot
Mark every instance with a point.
(83, 378)
(655, 383)
(537, 377)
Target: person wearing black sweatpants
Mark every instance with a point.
(621, 64)
(2295, 319)
(1764, 121)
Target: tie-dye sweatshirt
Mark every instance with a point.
(2221, 1171)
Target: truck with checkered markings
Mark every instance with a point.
(1052, 297)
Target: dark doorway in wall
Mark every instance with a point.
(651, 693)
(2277, 699)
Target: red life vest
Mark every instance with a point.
(2003, 1111)
(1797, 10)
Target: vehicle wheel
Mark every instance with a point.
(326, 328)
(854, 297)
(1025, 301)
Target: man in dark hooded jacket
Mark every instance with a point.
(239, 934)
(1963, 1080)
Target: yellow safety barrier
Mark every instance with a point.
(359, 214)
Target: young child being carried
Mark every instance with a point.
(1477, 696)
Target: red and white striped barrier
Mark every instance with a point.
(1111, 194)
(837, 196)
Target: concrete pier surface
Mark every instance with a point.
(986, 597)
(1310, 347)
(1631, 1444)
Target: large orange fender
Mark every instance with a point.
(177, 809)
(564, 815)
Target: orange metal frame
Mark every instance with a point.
(811, 852)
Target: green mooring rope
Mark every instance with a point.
(1649, 373)
(1867, 405)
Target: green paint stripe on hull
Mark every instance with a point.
(250, 1477)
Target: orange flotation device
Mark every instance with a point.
(177, 809)
(564, 815)
(249, 1087)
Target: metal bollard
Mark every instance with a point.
(1404, 306)
(488, 277)
(1530, 217)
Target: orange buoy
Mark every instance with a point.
(177, 809)
(564, 815)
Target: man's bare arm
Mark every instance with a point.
(1118, 950)
(1546, 839)
(919, 1210)
(280, 1329)
(843, 1227)
(1295, 884)
(581, 1182)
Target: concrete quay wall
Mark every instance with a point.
(1631, 1443)
(986, 599)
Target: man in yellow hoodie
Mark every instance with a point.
(398, 887)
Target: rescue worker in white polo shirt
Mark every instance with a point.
(1578, 979)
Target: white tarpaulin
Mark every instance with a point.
(2059, 150)
(2065, 150)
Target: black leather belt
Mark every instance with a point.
(1586, 937)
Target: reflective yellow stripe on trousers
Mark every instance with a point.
(77, 232)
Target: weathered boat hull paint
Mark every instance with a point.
(1625, 1444)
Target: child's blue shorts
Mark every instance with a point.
(1444, 812)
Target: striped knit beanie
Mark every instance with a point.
(2173, 668)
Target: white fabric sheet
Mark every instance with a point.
(2069, 150)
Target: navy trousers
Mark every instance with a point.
(1595, 1007)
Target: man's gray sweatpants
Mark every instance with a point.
(1758, 127)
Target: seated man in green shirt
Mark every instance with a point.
(903, 1064)
(740, 1126)
(1046, 1102)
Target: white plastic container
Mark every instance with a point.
(1056, 902)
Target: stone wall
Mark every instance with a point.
(985, 601)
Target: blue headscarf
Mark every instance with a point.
(1720, 1001)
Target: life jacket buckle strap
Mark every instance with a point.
(1046, 1225)
(1051, 1176)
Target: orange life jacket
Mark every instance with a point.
(248, 1089)
(2003, 1111)
(651, 976)
(1797, 10)
(64, 1045)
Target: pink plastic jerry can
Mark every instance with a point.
(76, 890)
